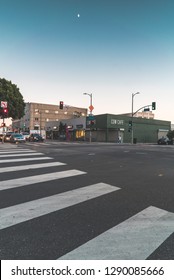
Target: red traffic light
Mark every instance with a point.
(61, 105)
(5, 113)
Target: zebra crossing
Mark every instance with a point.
(134, 238)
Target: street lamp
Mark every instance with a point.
(91, 108)
(133, 94)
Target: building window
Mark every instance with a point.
(36, 119)
(56, 112)
(46, 111)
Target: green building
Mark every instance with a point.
(110, 128)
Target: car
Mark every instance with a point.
(35, 137)
(17, 138)
(165, 141)
(7, 136)
(26, 135)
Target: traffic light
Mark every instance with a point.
(130, 126)
(5, 112)
(61, 105)
(92, 122)
(153, 105)
(130, 123)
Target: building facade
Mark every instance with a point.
(108, 128)
(111, 128)
(37, 115)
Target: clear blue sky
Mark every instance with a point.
(113, 49)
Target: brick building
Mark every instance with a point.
(38, 114)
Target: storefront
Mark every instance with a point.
(110, 128)
(117, 128)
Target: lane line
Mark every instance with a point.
(21, 182)
(30, 166)
(13, 215)
(133, 239)
(20, 155)
(23, 159)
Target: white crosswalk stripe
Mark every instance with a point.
(20, 155)
(30, 166)
(29, 210)
(21, 182)
(24, 159)
(135, 238)
(16, 151)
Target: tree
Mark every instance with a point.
(62, 128)
(10, 92)
(170, 134)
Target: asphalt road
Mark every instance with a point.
(86, 201)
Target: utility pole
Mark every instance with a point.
(90, 114)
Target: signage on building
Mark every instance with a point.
(70, 126)
(118, 122)
(79, 126)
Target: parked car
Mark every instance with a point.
(25, 135)
(17, 137)
(7, 136)
(165, 141)
(35, 137)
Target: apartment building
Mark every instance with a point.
(38, 114)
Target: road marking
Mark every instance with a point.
(21, 155)
(30, 166)
(133, 239)
(13, 215)
(21, 182)
(23, 159)
(17, 151)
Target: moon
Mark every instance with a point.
(78, 15)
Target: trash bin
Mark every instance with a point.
(135, 140)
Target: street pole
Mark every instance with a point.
(90, 114)
(132, 131)
(40, 123)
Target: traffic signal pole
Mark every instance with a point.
(153, 105)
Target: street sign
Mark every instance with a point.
(146, 109)
(3, 104)
(91, 118)
(91, 107)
